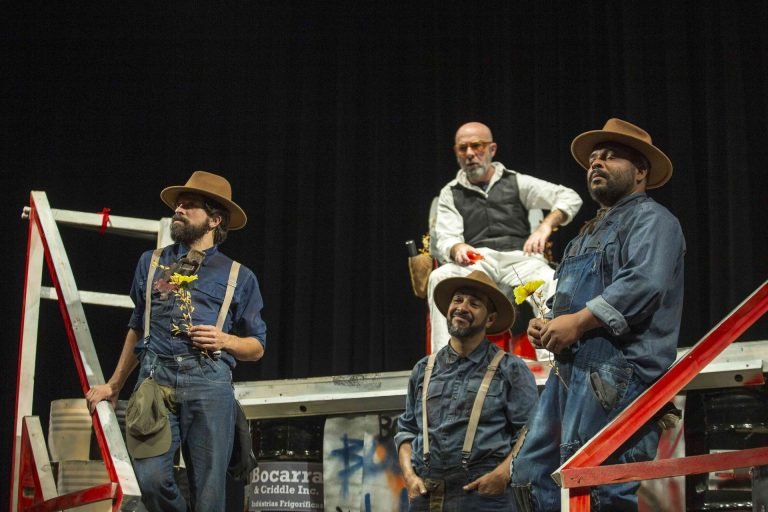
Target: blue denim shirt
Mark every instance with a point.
(642, 271)
(243, 319)
(453, 386)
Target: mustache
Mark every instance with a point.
(181, 218)
(599, 173)
(462, 314)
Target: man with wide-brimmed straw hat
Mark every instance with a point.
(196, 313)
(615, 317)
(455, 440)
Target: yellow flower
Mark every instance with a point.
(522, 292)
(424, 245)
(182, 281)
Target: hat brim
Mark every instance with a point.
(661, 166)
(237, 217)
(152, 445)
(505, 312)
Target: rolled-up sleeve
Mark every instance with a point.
(537, 193)
(522, 394)
(449, 225)
(645, 266)
(138, 290)
(407, 424)
(247, 320)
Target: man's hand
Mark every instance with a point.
(565, 330)
(535, 325)
(460, 254)
(537, 242)
(207, 337)
(98, 393)
(493, 483)
(415, 486)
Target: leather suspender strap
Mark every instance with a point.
(231, 285)
(148, 293)
(474, 417)
(424, 426)
(520, 440)
(234, 270)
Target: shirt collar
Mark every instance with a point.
(626, 201)
(632, 197)
(498, 171)
(180, 250)
(477, 356)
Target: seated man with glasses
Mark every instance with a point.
(482, 223)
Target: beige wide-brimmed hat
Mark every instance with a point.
(209, 185)
(617, 130)
(505, 312)
(147, 429)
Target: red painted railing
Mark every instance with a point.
(582, 470)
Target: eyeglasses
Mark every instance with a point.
(477, 146)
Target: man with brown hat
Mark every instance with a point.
(615, 317)
(455, 441)
(196, 313)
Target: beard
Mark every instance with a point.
(185, 232)
(475, 172)
(612, 190)
(465, 332)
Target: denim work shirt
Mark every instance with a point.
(642, 272)
(453, 386)
(243, 318)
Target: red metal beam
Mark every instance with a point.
(76, 499)
(600, 447)
(578, 500)
(692, 465)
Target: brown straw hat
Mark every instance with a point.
(209, 185)
(616, 130)
(505, 312)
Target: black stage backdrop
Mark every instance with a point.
(334, 122)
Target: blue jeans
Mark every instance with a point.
(445, 488)
(202, 416)
(600, 385)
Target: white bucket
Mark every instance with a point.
(69, 432)
(76, 475)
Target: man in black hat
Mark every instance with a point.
(615, 317)
(455, 441)
(200, 313)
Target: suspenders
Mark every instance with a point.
(474, 417)
(148, 292)
(234, 270)
(231, 285)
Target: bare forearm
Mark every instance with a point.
(244, 349)
(125, 365)
(404, 456)
(503, 469)
(127, 361)
(555, 218)
(413, 482)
